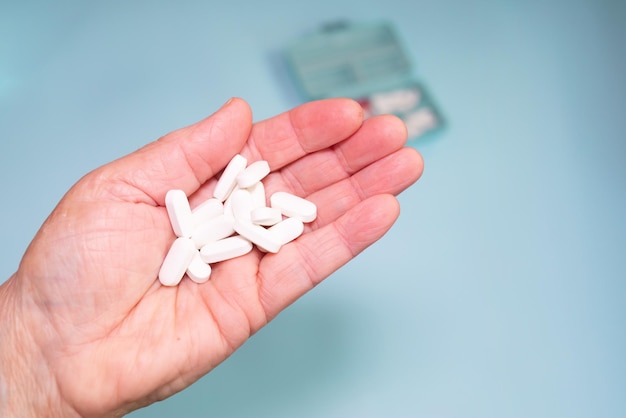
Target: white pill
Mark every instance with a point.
(287, 230)
(206, 211)
(294, 206)
(225, 249)
(228, 179)
(420, 121)
(176, 261)
(179, 213)
(213, 230)
(241, 204)
(258, 235)
(265, 216)
(228, 205)
(258, 195)
(401, 100)
(198, 270)
(253, 173)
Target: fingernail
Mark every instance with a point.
(227, 102)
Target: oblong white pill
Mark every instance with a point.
(225, 249)
(228, 207)
(294, 206)
(179, 212)
(287, 230)
(265, 216)
(213, 230)
(228, 179)
(258, 235)
(257, 191)
(207, 210)
(420, 121)
(401, 100)
(253, 173)
(176, 261)
(198, 270)
(241, 204)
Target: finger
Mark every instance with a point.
(378, 137)
(302, 264)
(389, 175)
(299, 132)
(186, 158)
(304, 129)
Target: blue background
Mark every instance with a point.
(500, 291)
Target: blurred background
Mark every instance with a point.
(500, 291)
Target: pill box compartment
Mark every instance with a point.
(368, 63)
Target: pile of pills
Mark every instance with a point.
(230, 223)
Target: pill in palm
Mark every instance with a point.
(231, 223)
(228, 206)
(179, 212)
(176, 261)
(257, 191)
(287, 230)
(265, 216)
(241, 204)
(257, 235)
(215, 229)
(198, 270)
(294, 206)
(228, 179)
(253, 173)
(225, 249)
(209, 209)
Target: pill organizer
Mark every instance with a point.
(366, 62)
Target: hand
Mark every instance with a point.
(86, 328)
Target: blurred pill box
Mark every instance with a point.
(366, 62)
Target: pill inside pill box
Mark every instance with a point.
(368, 62)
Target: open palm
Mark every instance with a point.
(111, 337)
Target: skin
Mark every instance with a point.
(86, 329)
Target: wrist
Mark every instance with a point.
(27, 386)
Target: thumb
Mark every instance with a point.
(186, 158)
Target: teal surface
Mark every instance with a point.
(500, 291)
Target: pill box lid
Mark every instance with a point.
(349, 60)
